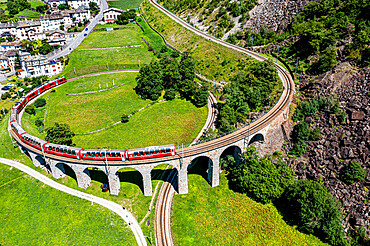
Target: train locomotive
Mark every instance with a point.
(74, 152)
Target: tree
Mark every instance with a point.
(201, 97)
(12, 7)
(59, 134)
(5, 96)
(260, 178)
(41, 102)
(63, 6)
(45, 47)
(94, 8)
(301, 131)
(42, 8)
(353, 172)
(39, 123)
(30, 109)
(313, 209)
(169, 95)
(124, 118)
(149, 82)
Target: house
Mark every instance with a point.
(12, 56)
(31, 30)
(4, 47)
(8, 29)
(77, 3)
(51, 22)
(4, 62)
(56, 37)
(56, 3)
(111, 15)
(38, 65)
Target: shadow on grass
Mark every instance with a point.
(199, 166)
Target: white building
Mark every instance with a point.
(4, 47)
(56, 3)
(38, 65)
(10, 28)
(56, 37)
(11, 55)
(31, 30)
(51, 22)
(111, 15)
(4, 62)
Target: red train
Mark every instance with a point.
(79, 153)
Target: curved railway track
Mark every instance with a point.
(164, 209)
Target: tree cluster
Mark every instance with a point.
(124, 18)
(250, 90)
(42, 8)
(260, 178)
(353, 172)
(16, 6)
(41, 102)
(60, 134)
(172, 76)
(302, 133)
(94, 8)
(63, 6)
(37, 46)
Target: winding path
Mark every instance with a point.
(118, 209)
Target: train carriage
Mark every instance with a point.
(63, 150)
(18, 129)
(13, 114)
(151, 152)
(34, 141)
(104, 155)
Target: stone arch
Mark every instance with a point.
(257, 138)
(98, 174)
(66, 169)
(171, 174)
(130, 175)
(41, 160)
(232, 150)
(206, 167)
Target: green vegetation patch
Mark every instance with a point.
(212, 60)
(36, 3)
(35, 214)
(89, 61)
(208, 216)
(124, 4)
(29, 13)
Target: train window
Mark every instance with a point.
(103, 154)
(108, 154)
(141, 153)
(168, 150)
(162, 150)
(57, 150)
(157, 151)
(118, 154)
(152, 152)
(113, 154)
(135, 153)
(88, 154)
(146, 152)
(69, 151)
(73, 152)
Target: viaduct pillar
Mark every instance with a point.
(82, 175)
(147, 179)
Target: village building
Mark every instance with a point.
(111, 15)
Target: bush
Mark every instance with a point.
(59, 134)
(260, 178)
(39, 123)
(124, 118)
(5, 96)
(353, 172)
(315, 134)
(169, 95)
(41, 102)
(313, 209)
(299, 148)
(301, 132)
(30, 109)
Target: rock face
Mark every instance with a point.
(275, 14)
(341, 143)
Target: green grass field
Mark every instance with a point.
(212, 60)
(219, 216)
(90, 61)
(176, 121)
(29, 13)
(36, 3)
(32, 213)
(124, 4)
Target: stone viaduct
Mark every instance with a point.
(267, 140)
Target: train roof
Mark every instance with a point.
(103, 150)
(153, 147)
(34, 138)
(61, 146)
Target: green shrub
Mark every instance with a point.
(315, 134)
(124, 118)
(260, 178)
(59, 134)
(313, 209)
(353, 172)
(299, 148)
(30, 109)
(169, 95)
(41, 102)
(39, 123)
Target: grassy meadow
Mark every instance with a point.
(124, 4)
(219, 216)
(176, 121)
(32, 213)
(212, 60)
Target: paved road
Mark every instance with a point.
(118, 209)
(80, 37)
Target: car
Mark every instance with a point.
(85, 34)
(86, 29)
(5, 88)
